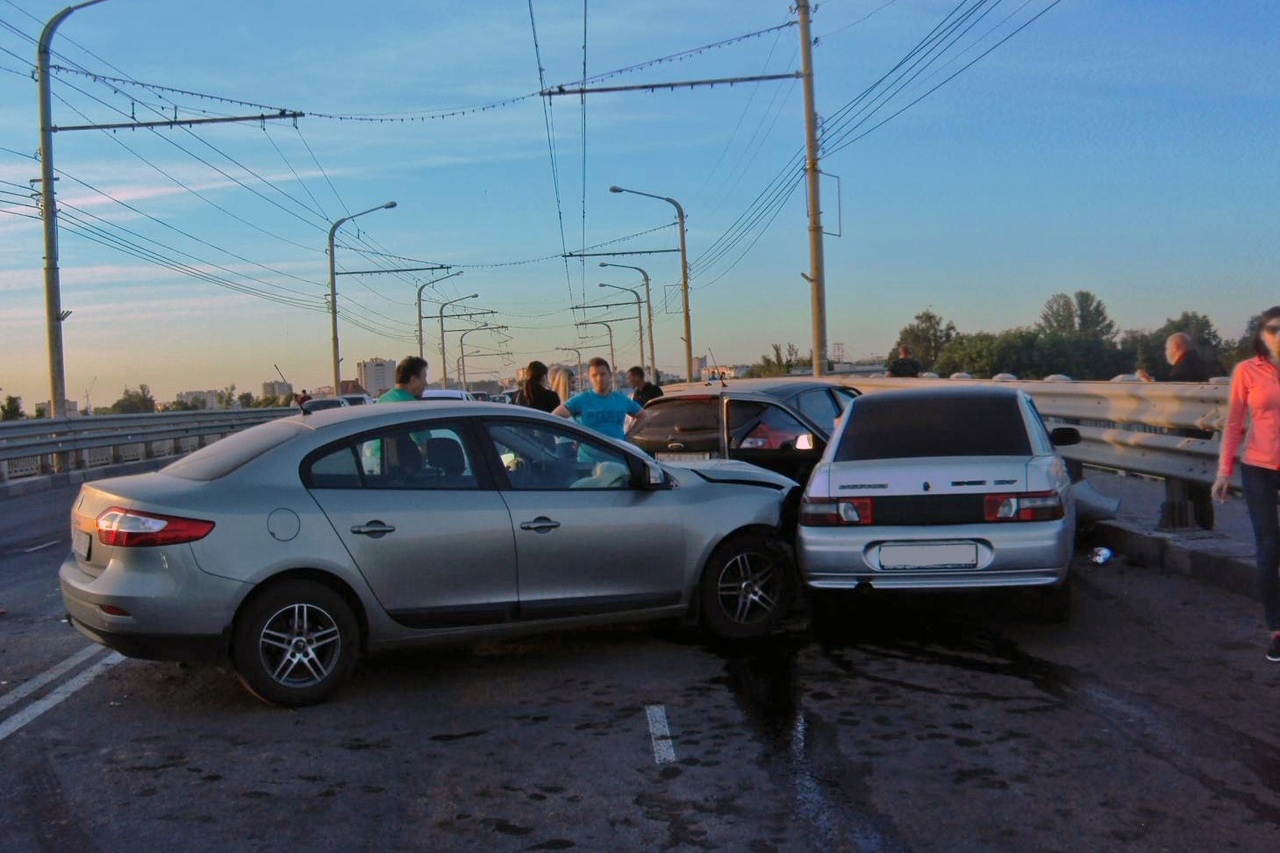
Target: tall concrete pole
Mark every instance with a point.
(333, 290)
(49, 213)
(639, 317)
(421, 287)
(817, 274)
(648, 304)
(444, 359)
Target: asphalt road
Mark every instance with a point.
(923, 724)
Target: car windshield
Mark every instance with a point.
(886, 426)
(226, 455)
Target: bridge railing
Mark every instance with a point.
(32, 447)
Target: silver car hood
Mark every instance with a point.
(733, 471)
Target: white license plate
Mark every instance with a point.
(681, 457)
(81, 543)
(930, 555)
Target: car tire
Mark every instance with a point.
(1053, 604)
(746, 586)
(294, 643)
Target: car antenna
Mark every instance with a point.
(290, 384)
(716, 367)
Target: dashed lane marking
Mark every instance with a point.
(38, 707)
(54, 672)
(664, 751)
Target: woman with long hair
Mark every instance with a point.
(534, 393)
(1255, 398)
(562, 382)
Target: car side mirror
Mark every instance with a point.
(1064, 436)
(805, 442)
(655, 477)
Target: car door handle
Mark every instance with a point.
(541, 524)
(374, 528)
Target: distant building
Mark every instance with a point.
(71, 408)
(275, 388)
(376, 376)
(203, 399)
(724, 371)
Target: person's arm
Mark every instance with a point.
(1233, 434)
(562, 411)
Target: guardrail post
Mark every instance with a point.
(4, 471)
(1176, 510)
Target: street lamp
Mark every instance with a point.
(577, 380)
(422, 287)
(613, 363)
(444, 360)
(333, 289)
(639, 322)
(54, 315)
(684, 275)
(648, 301)
(462, 346)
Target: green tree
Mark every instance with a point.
(12, 410)
(969, 353)
(227, 397)
(927, 337)
(779, 364)
(245, 399)
(1085, 315)
(134, 402)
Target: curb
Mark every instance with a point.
(1207, 557)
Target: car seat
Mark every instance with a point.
(446, 454)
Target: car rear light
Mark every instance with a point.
(1023, 506)
(129, 528)
(843, 512)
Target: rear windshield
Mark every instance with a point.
(885, 426)
(226, 455)
(681, 416)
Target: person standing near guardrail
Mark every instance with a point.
(1255, 398)
(1186, 365)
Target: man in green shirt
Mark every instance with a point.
(411, 381)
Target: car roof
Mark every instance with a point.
(393, 412)
(774, 386)
(936, 392)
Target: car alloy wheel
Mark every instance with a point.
(746, 586)
(295, 643)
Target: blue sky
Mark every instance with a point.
(1124, 148)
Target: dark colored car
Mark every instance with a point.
(782, 424)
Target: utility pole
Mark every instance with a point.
(817, 275)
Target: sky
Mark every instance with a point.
(978, 156)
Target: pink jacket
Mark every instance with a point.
(1255, 393)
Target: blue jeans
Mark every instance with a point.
(1260, 486)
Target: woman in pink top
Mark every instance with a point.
(1255, 396)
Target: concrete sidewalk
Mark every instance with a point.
(1223, 557)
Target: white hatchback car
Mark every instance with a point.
(942, 488)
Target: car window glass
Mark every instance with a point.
(227, 454)
(407, 457)
(888, 426)
(541, 457)
(762, 426)
(677, 416)
(819, 407)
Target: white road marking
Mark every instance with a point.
(56, 671)
(35, 709)
(39, 547)
(664, 751)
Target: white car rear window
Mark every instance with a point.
(882, 426)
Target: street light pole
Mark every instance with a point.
(648, 302)
(462, 350)
(639, 321)
(444, 360)
(613, 363)
(52, 286)
(333, 289)
(421, 287)
(577, 379)
(684, 275)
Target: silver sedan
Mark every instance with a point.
(296, 545)
(941, 488)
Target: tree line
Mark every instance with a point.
(134, 401)
(1074, 336)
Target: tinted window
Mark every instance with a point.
(887, 427)
(819, 407)
(681, 416)
(762, 426)
(226, 455)
(414, 457)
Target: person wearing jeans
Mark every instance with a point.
(1255, 401)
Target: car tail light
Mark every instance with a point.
(843, 512)
(128, 528)
(1023, 506)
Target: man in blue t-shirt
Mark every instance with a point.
(601, 409)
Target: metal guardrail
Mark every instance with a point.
(33, 447)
